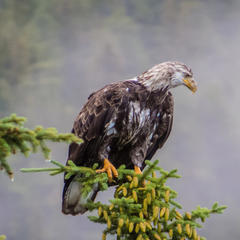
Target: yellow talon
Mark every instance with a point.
(109, 169)
(137, 170)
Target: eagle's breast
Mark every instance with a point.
(136, 115)
(136, 122)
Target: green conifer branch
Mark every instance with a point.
(143, 207)
(3, 237)
(146, 210)
(14, 137)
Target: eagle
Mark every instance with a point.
(125, 122)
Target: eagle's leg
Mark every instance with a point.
(138, 154)
(137, 170)
(109, 169)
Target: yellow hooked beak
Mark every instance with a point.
(191, 84)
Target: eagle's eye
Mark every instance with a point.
(187, 75)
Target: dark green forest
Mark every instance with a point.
(53, 54)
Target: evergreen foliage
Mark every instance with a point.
(14, 137)
(2, 237)
(143, 206)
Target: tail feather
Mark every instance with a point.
(73, 201)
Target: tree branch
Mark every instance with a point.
(14, 138)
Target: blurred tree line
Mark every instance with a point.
(38, 40)
(52, 50)
(29, 53)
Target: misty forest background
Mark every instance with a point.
(53, 54)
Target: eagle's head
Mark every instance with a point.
(168, 75)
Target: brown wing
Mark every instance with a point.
(93, 124)
(163, 126)
(95, 118)
(95, 114)
(102, 105)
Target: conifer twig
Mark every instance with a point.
(3, 237)
(14, 137)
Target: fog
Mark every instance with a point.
(62, 51)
